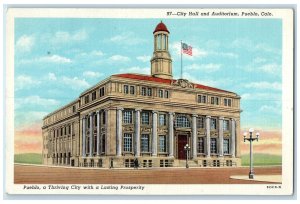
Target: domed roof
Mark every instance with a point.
(161, 27)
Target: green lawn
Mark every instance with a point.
(262, 160)
(29, 158)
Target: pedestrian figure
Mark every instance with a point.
(111, 163)
(136, 163)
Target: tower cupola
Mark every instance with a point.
(161, 62)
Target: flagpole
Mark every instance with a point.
(181, 58)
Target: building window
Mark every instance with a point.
(200, 145)
(126, 89)
(162, 119)
(127, 142)
(166, 94)
(88, 145)
(101, 92)
(95, 121)
(127, 117)
(149, 92)
(213, 123)
(213, 145)
(95, 145)
(214, 100)
(226, 125)
(88, 122)
(227, 102)
(144, 91)
(200, 122)
(69, 129)
(94, 95)
(158, 40)
(162, 143)
(160, 93)
(201, 99)
(103, 143)
(226, 146)
(103, 118)
(145, 143)
(145, 118)
(86, 99)
(74, 109)
(182, 121)
(131, 89)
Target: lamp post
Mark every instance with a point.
(250, 139)
(187, 148)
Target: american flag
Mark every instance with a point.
(186, 49)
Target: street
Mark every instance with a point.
(30, 174)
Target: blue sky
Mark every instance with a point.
(56, 59)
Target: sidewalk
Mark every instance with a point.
(265, 178)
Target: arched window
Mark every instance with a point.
(182, 121)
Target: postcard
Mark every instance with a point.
(140, 101)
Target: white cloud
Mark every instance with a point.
(259, 60)
(66, 37)
(25, 43)
(24, 118)
(97, 53)
(24, 82)
(246, 43)
(264, 85)
(144, 58)
(92, 53)
(91, 74)
(128, 38)
(139, 70)
(272, 68)
(54, 59)
(119, 58)
(261, 96)
(226, 54)
(270, 109)
(75, 83)
(36, 100)
(47, 59)
(204, 67)
(193, 79)
(51, 76)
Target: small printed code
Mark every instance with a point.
(274, 187)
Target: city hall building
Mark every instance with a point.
(146, 117)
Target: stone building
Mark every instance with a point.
(148, 117)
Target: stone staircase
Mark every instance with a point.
(191, 163)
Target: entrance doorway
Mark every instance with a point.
(182, 141)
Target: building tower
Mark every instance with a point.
(161, 62)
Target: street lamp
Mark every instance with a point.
(187, 148)
(250, 139)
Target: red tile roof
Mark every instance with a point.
(161, 27)
(165, 81)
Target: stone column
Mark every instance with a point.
(55, 143)
(208, 136)
(137, 132)
(233, 138)
(91, 135)
(107, 132)
(154, 133)
(171, 134)
(194, 135)
(221, 136)
(119, 131)
(71, 132)
(83, 136)
(98, 132)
